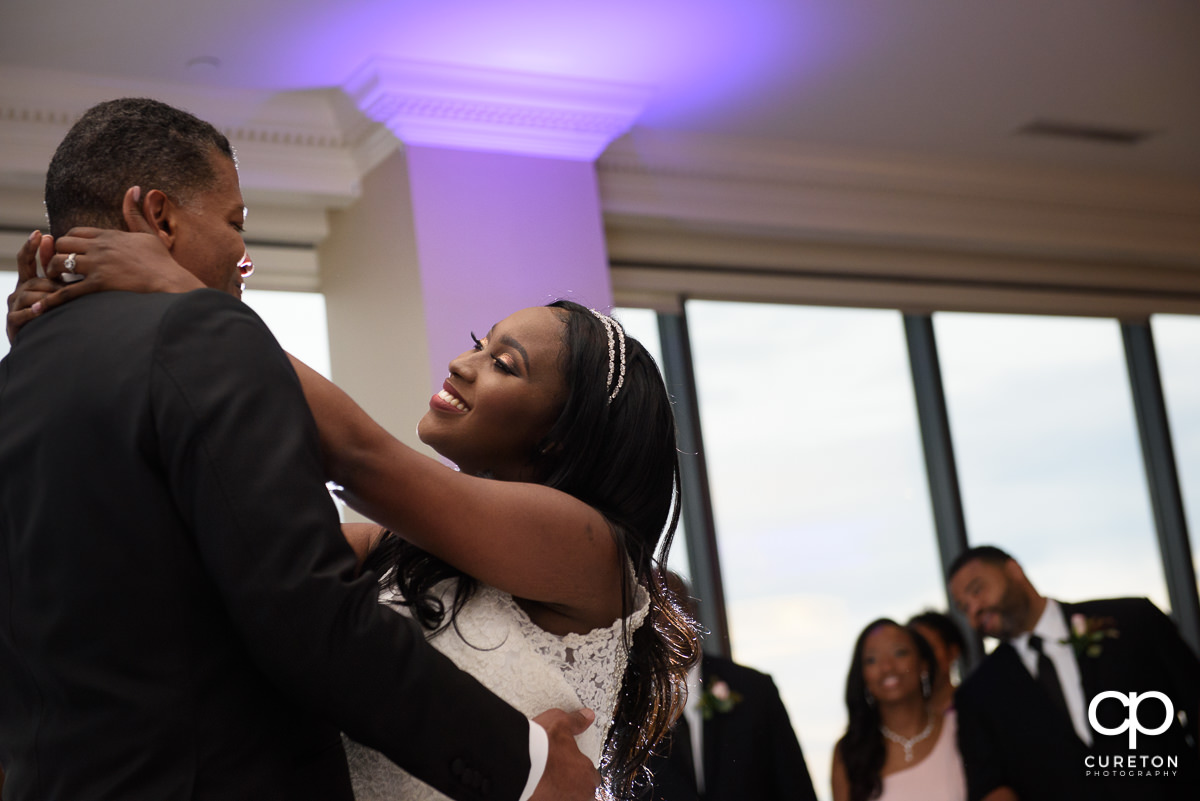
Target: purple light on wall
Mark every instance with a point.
(497, 233)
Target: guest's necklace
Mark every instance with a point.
(907, 743)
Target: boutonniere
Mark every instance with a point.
(717, 697)
(1088, 634)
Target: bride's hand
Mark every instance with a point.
(25, 302)
(107, 259)
(132, 261)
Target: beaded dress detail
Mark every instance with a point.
(494, 640)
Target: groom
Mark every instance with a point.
(1028, 715)
(180, 617)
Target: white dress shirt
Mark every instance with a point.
(539, 753)
(695, 721)
(1052, 628)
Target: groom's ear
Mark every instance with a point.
(159, 215)
(134, 214)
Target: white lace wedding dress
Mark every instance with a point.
(495, 641)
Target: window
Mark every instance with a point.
(819, 492)
(642, 325)
(296, 318)
(1049, 461)
(1177, 341)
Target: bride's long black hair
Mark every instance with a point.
(621, 458)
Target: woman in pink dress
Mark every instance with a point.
(897, 747)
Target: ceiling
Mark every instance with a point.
(945, 78)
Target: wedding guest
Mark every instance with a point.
(1024, 712)
(896, 746)
(946, 639)
(734, 741)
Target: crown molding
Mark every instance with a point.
(443, 105)
(298, 148)
(309, 150)
(783, 190)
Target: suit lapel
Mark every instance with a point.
(1014, 673)
(1087, 667)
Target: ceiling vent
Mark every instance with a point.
(1084, 132)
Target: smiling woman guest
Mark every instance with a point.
(896, 746)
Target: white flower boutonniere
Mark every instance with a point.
(1088, 634)
(717, 697)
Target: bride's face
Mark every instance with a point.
(501, 397)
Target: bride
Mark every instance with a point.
(534, 566)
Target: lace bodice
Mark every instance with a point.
(494, 640)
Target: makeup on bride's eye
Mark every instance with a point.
(505, 363)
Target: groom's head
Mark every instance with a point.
(186, 171)
(993, 593)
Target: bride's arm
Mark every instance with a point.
(526, 539)
(529, 540)
(363, 538)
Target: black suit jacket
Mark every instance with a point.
(179, 615)
(750, 753)
(1011, 735)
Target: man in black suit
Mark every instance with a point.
(736, 720)
(180, 617)
(1028, 719)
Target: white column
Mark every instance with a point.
(372, 286)
(503, 190)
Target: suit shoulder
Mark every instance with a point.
(102, 323)
(1114, 607)
(206, 301)
(732, 672)
(215, 317)
(992, 669)
(154, 308)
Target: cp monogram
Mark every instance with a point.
(1131, 723)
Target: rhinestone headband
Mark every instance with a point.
(609, 326)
